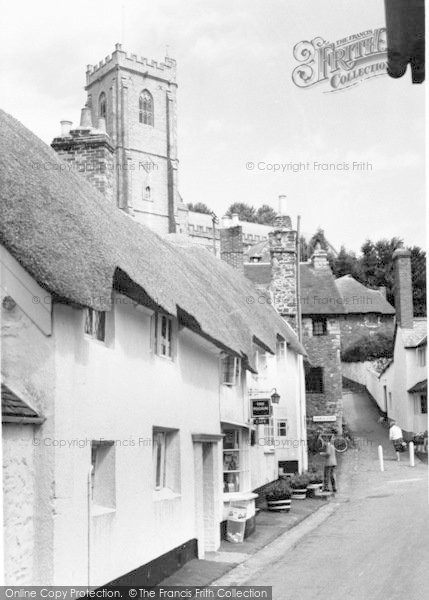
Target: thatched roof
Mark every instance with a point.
(360, 299)
(78, 247)
(319, 294)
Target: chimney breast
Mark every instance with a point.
(402, 288)
(319, 260)
(231, 246)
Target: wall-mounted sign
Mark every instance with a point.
(261, 421)
(324, 418)
(261, 407)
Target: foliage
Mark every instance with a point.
(265, 215)
(374, 268)
(315, 476)
(280, 490)
(199, 207)
(299, 482)
(369, 348)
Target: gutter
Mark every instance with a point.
(23, 420)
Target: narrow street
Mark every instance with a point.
(376, 545)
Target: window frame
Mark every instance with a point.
(164, 346)
(146, 108)
(312, 390)
(95, 328)
(281, 427)
(233, 370)
(420, 404)
(240, 451)
(316, 322)
(102, 105)
(421, 356)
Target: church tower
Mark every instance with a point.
(137, 99)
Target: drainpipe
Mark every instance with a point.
(89, 501)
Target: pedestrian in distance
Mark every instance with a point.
(397, 439)
(330, 466)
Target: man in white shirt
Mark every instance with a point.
(396, 437)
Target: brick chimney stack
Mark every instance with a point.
(88, 151)
(402, 288)
(283, 252)
(231, 243)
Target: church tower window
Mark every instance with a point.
(102, 105)
(146, 108)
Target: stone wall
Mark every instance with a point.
(19, 501)
(324, 351)
(355, 326)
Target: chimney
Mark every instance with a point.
(88, 151)
(65, 128)
(319, 260)
(402, 288)
(283, 252)
(235, 218)
(231, 246)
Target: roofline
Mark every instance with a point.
(23, 420)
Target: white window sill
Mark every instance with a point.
(238, 496)
(165, 494)
(98, 511)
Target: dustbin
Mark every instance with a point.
(236, 523)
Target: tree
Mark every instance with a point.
(346, 263)
(199, 207)
(265, 215)
(244, 211)
(418, 277)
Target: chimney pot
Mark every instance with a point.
(65, 128)
(102, 124)
(85, 118)
(282, 205)
(226, 221)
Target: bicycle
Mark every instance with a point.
(320, 442)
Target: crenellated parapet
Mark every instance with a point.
(161, 70)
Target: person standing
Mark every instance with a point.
(330, 466)
(397, 438)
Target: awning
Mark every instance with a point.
(16, 410)
(420, 388)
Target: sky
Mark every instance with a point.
(237, 104)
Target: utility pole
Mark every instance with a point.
(215, 221)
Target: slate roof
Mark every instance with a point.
(13, 407)
(419, 388)
(78, 246)
(412, 338)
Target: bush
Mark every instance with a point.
(299, 482)
(369, 348)
(315, 477)
(279, 491)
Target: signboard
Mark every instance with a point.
(324, 418)
(261, 420)
(261, 407)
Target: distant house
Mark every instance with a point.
(333, 314)
(408, 398)
(126, 363)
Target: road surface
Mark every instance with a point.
(376, 544)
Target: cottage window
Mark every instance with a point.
(269, 435)
(235, 460)
(314, 380)
(146, 108)
(103, 483)
(421, 356)
(102, 105)
(166, 459)
(421, 404)
(319, 326)
(95, 324)
(282, 428)
(261, 364)
(231, 370)
(164, 340)
(281, 349)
